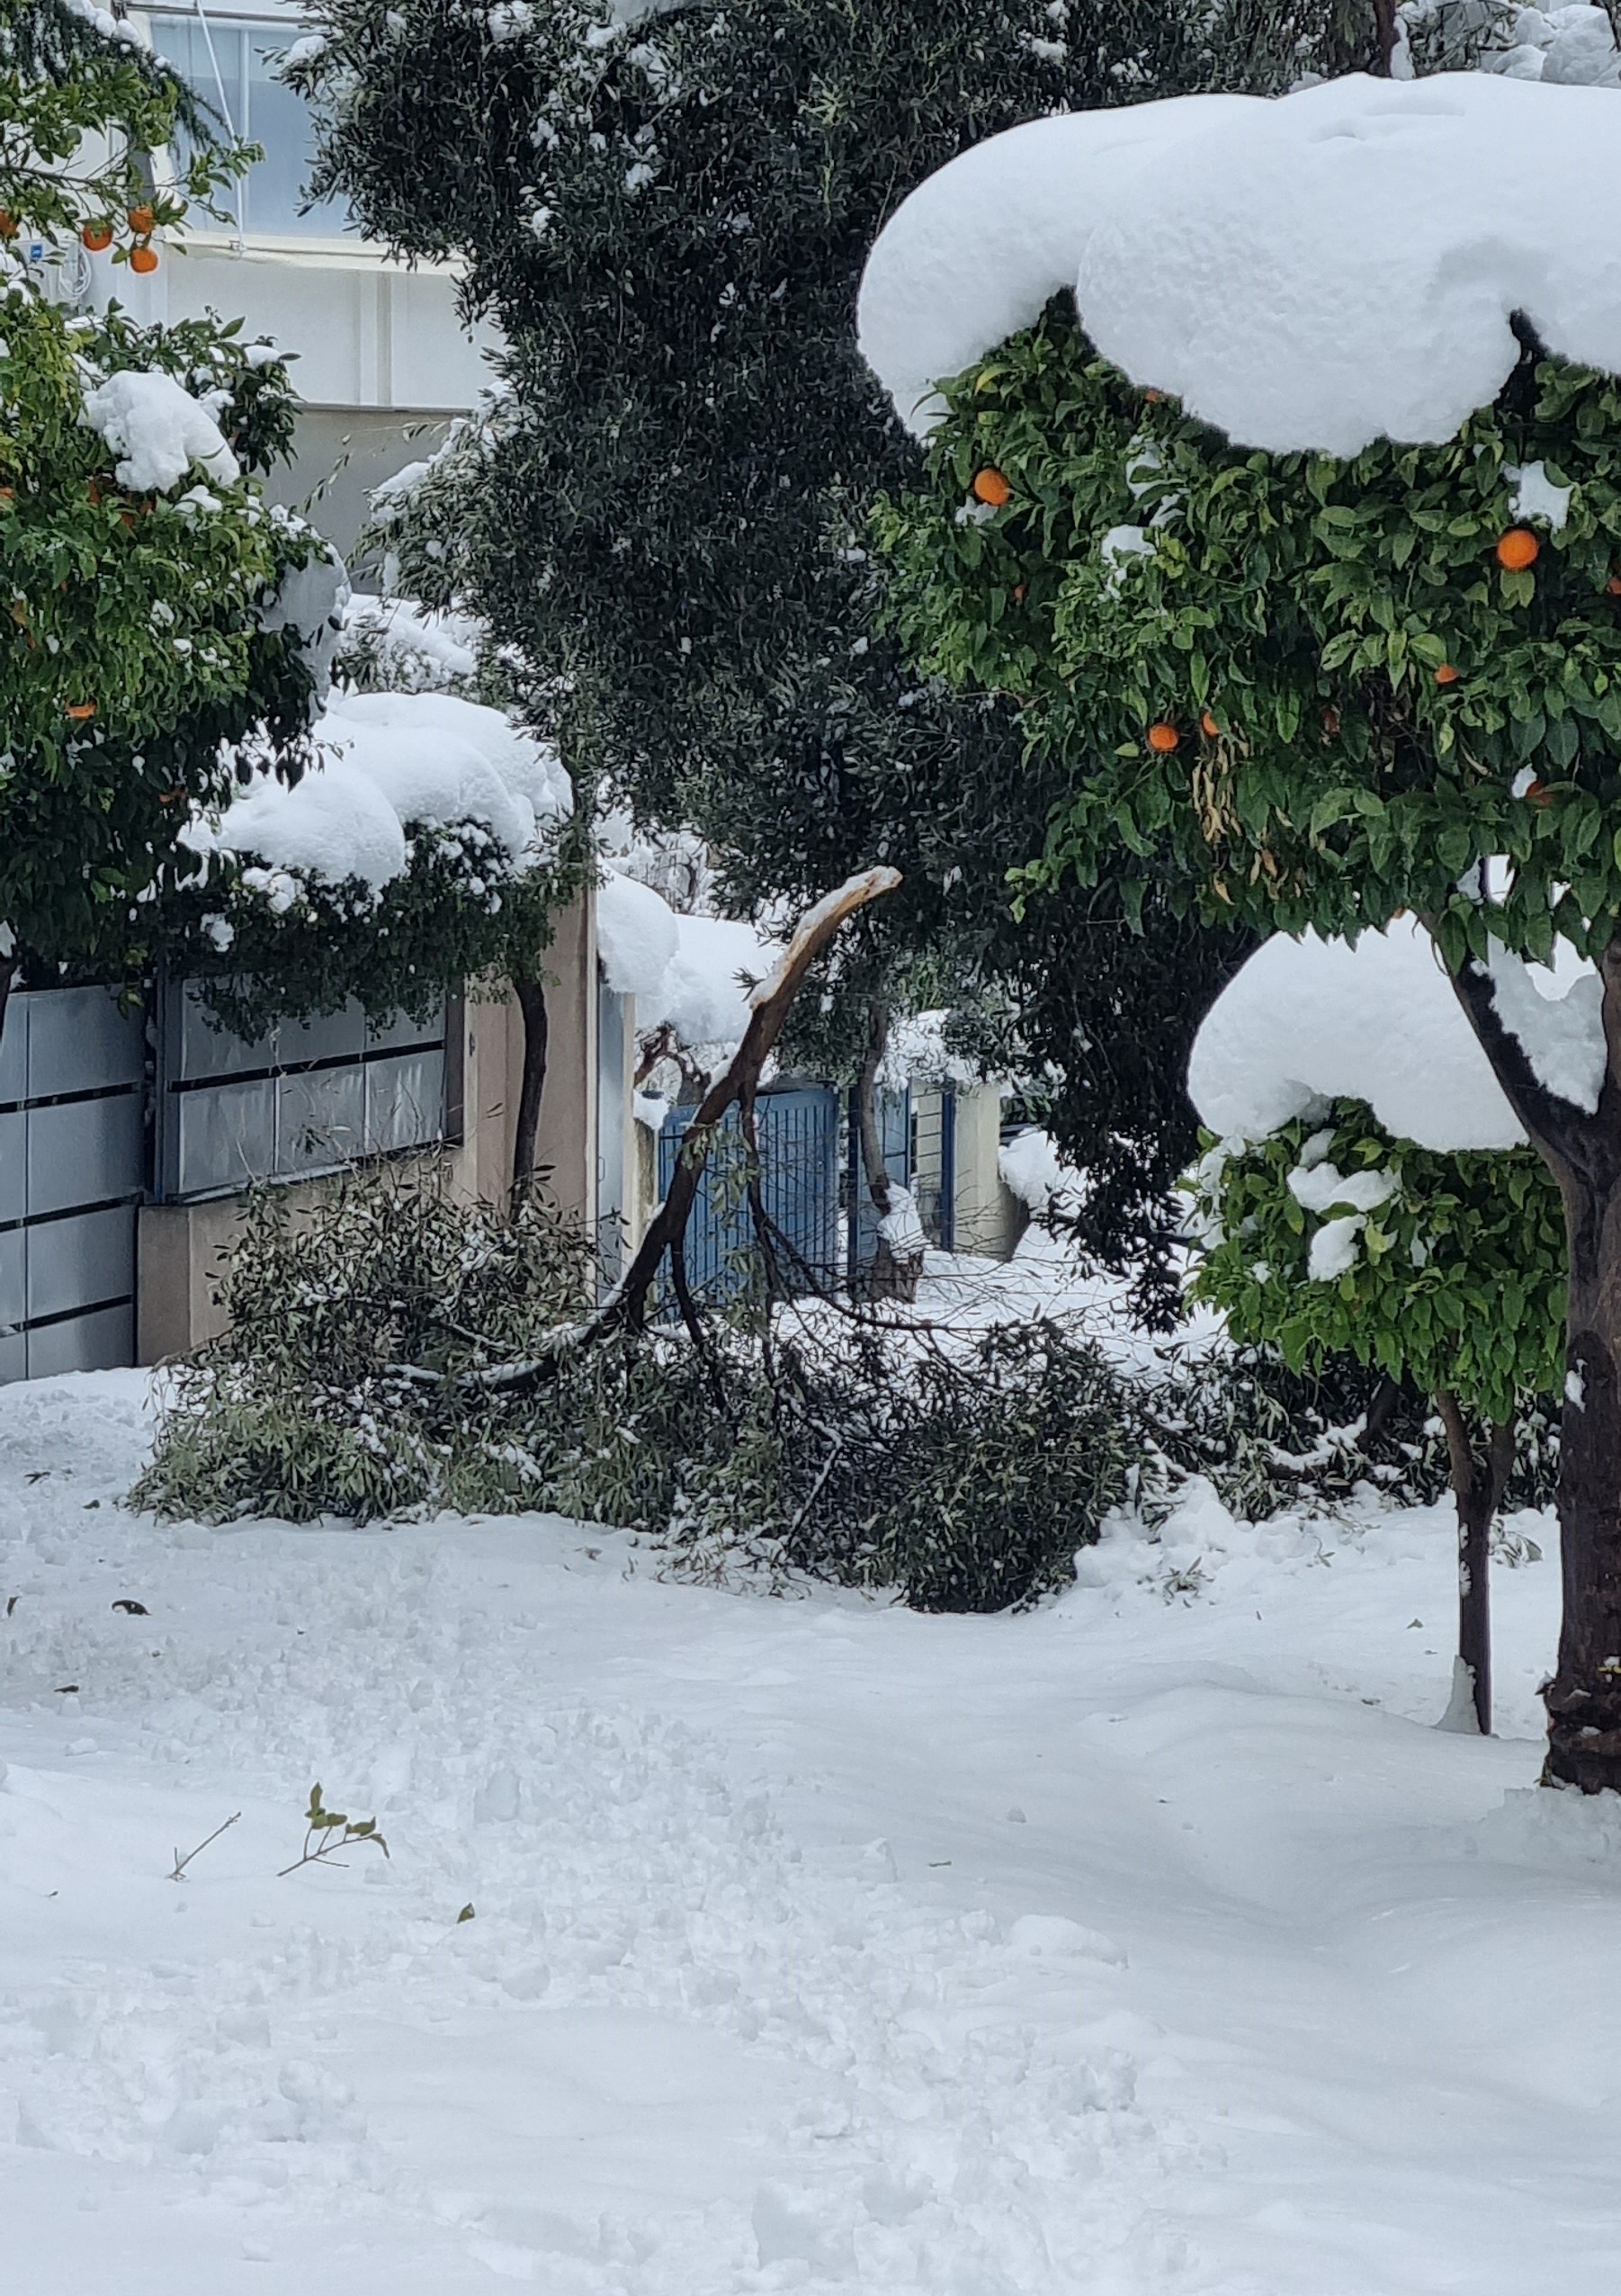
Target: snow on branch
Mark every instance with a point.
(1312, 272)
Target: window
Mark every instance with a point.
(230, 64)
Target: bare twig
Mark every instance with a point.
(181, 1864)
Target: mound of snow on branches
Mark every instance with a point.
(1309, 1021)
(690, 974)
(1316, 272)
(387, 762)
(158, 431)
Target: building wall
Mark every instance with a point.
(989, 1218)
(181, 1246)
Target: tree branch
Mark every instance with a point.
(1564, 1134)
(625, 1307)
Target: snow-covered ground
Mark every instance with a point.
(1153, 1942)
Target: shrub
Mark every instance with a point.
(963, 1470)
(965, 1474)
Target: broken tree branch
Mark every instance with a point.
(626, 1305)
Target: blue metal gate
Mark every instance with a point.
(799, 1186)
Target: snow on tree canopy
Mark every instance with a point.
(387, 761)
(1309, 1021)
(1311, 272)
(158, 431)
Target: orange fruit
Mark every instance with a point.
(142, 221)
(81, 711)
(97, 237)
(989, 486)
(1020, 593)
(1447, 675)
(1208, 725)
(1613, 585)
(1163, 737)
(8, 224)
(143, 259)
(1516, 548)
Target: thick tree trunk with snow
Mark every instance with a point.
(1583, 1152)
(895, 1273)
(1478, 1485)
(532, 1003)
(1584, 1698)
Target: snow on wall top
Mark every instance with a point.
(686, 974)
(387, 760)
(1308, 1021)
(1316, 271)
(635, 935)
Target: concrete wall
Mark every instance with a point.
(989, 1218)
(181, 1246)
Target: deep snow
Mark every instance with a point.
(1313, 272)
(1154, 1942)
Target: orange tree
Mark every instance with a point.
(1309, 691)
(1445, 1271)
(155, 606)
(83, 105)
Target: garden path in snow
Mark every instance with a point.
(1150, 1944)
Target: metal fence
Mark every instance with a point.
(306, 1098)
(72, 1171)
(798, 1186)
(78, 1156)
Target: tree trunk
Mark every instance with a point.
(1384, 32)
(894, 1273)
(532, 1004)
(1584, 1697)
(1478, 1485)
(1583, 1152)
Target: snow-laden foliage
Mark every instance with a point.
(142, 563)
(430, 842)
(1444, 1270)
(137, 614)
(349, 1384)
(1327, 691)
(964, 1467)
(1355, 255)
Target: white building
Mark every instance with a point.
(382, 358)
